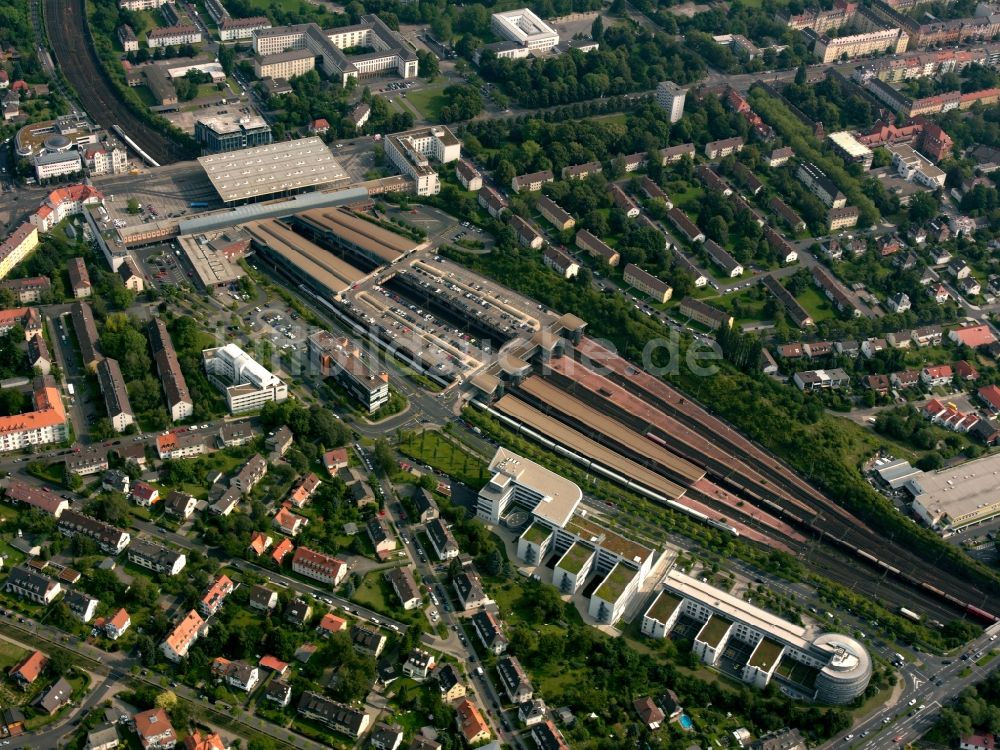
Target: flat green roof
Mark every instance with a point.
(615, 583)
(537, 533)
(765, 655)
(713, 630)
(574, 558)
(664, 606)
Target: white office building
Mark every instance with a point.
(758, 646)
(247, 384)
(580, 549)
(523, 27)
(411, 153)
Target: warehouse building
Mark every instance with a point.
(958, 497)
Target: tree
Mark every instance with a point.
(597, 29)
(718, 230)
(923, 207)
(133, 206)
(166, 700)
(385, 461)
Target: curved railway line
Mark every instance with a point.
(836, 528)
(66, 25)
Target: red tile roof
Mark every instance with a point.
(283, 548)
(31, 667)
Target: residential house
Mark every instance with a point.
(470, 591)
(83, 605)
(279, 441)
(319, 567)
(532, 712)
(940, 293)
(238, 674)
(145, 495)
(813, 380)
(471, 724)
(335, 460)
(723, 148)
(489, 631)
(494, 203)
(977, 741)
(937, 375)
(905, 379)
(298, 612)
(531, 182)
(970, 286)
(288, 523)
(180, 504)
(555, 214)
(198, 741)
(154, 730)
(468, 175)
(55, 697)
(262, 598)
(649, 713)
(331, 624)
(623, 201)
(156, 557)
(871, 347)
(367, 640)
(279, 692)
(259, 542)
(273, 664)
(450, 683)
(338, 717)
(781, 739)
(899, 303)
(596, 247)
(250, 474)
(31, 585)
(703, 313)
(405, 585)
(281, 550)
(25, 672)
(514, 679)
(418, 664)
(304, 490)
(385, 737)
(527, 235)
(116, 625)
(425, 505)
(103, 736)
(442, 539)
(183, 636)
(216, 595)
(780, 156)
(878, 383)
(965, 371)
(959, 269)
(581, 171)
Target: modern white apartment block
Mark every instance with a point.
(671, 97)
(391, 50)
(836, 667)
(248, 385)
(411, 153)
(523, 27)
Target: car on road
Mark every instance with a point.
(849, 737)
(898, 738)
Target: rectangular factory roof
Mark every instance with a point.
(276, 168)
(960, 491)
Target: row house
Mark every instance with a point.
(319, 567)
(156, 557)
(109, 538)
(527, 235)
(623, 201)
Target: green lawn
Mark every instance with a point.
(431, 448)
(373, 593)
(817, 305)
(428, 101)
(10, 654)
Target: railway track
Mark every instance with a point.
(65, 22)
(836, 527)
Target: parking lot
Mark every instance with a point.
(283, 329)
(161, 264)
(169, 191)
